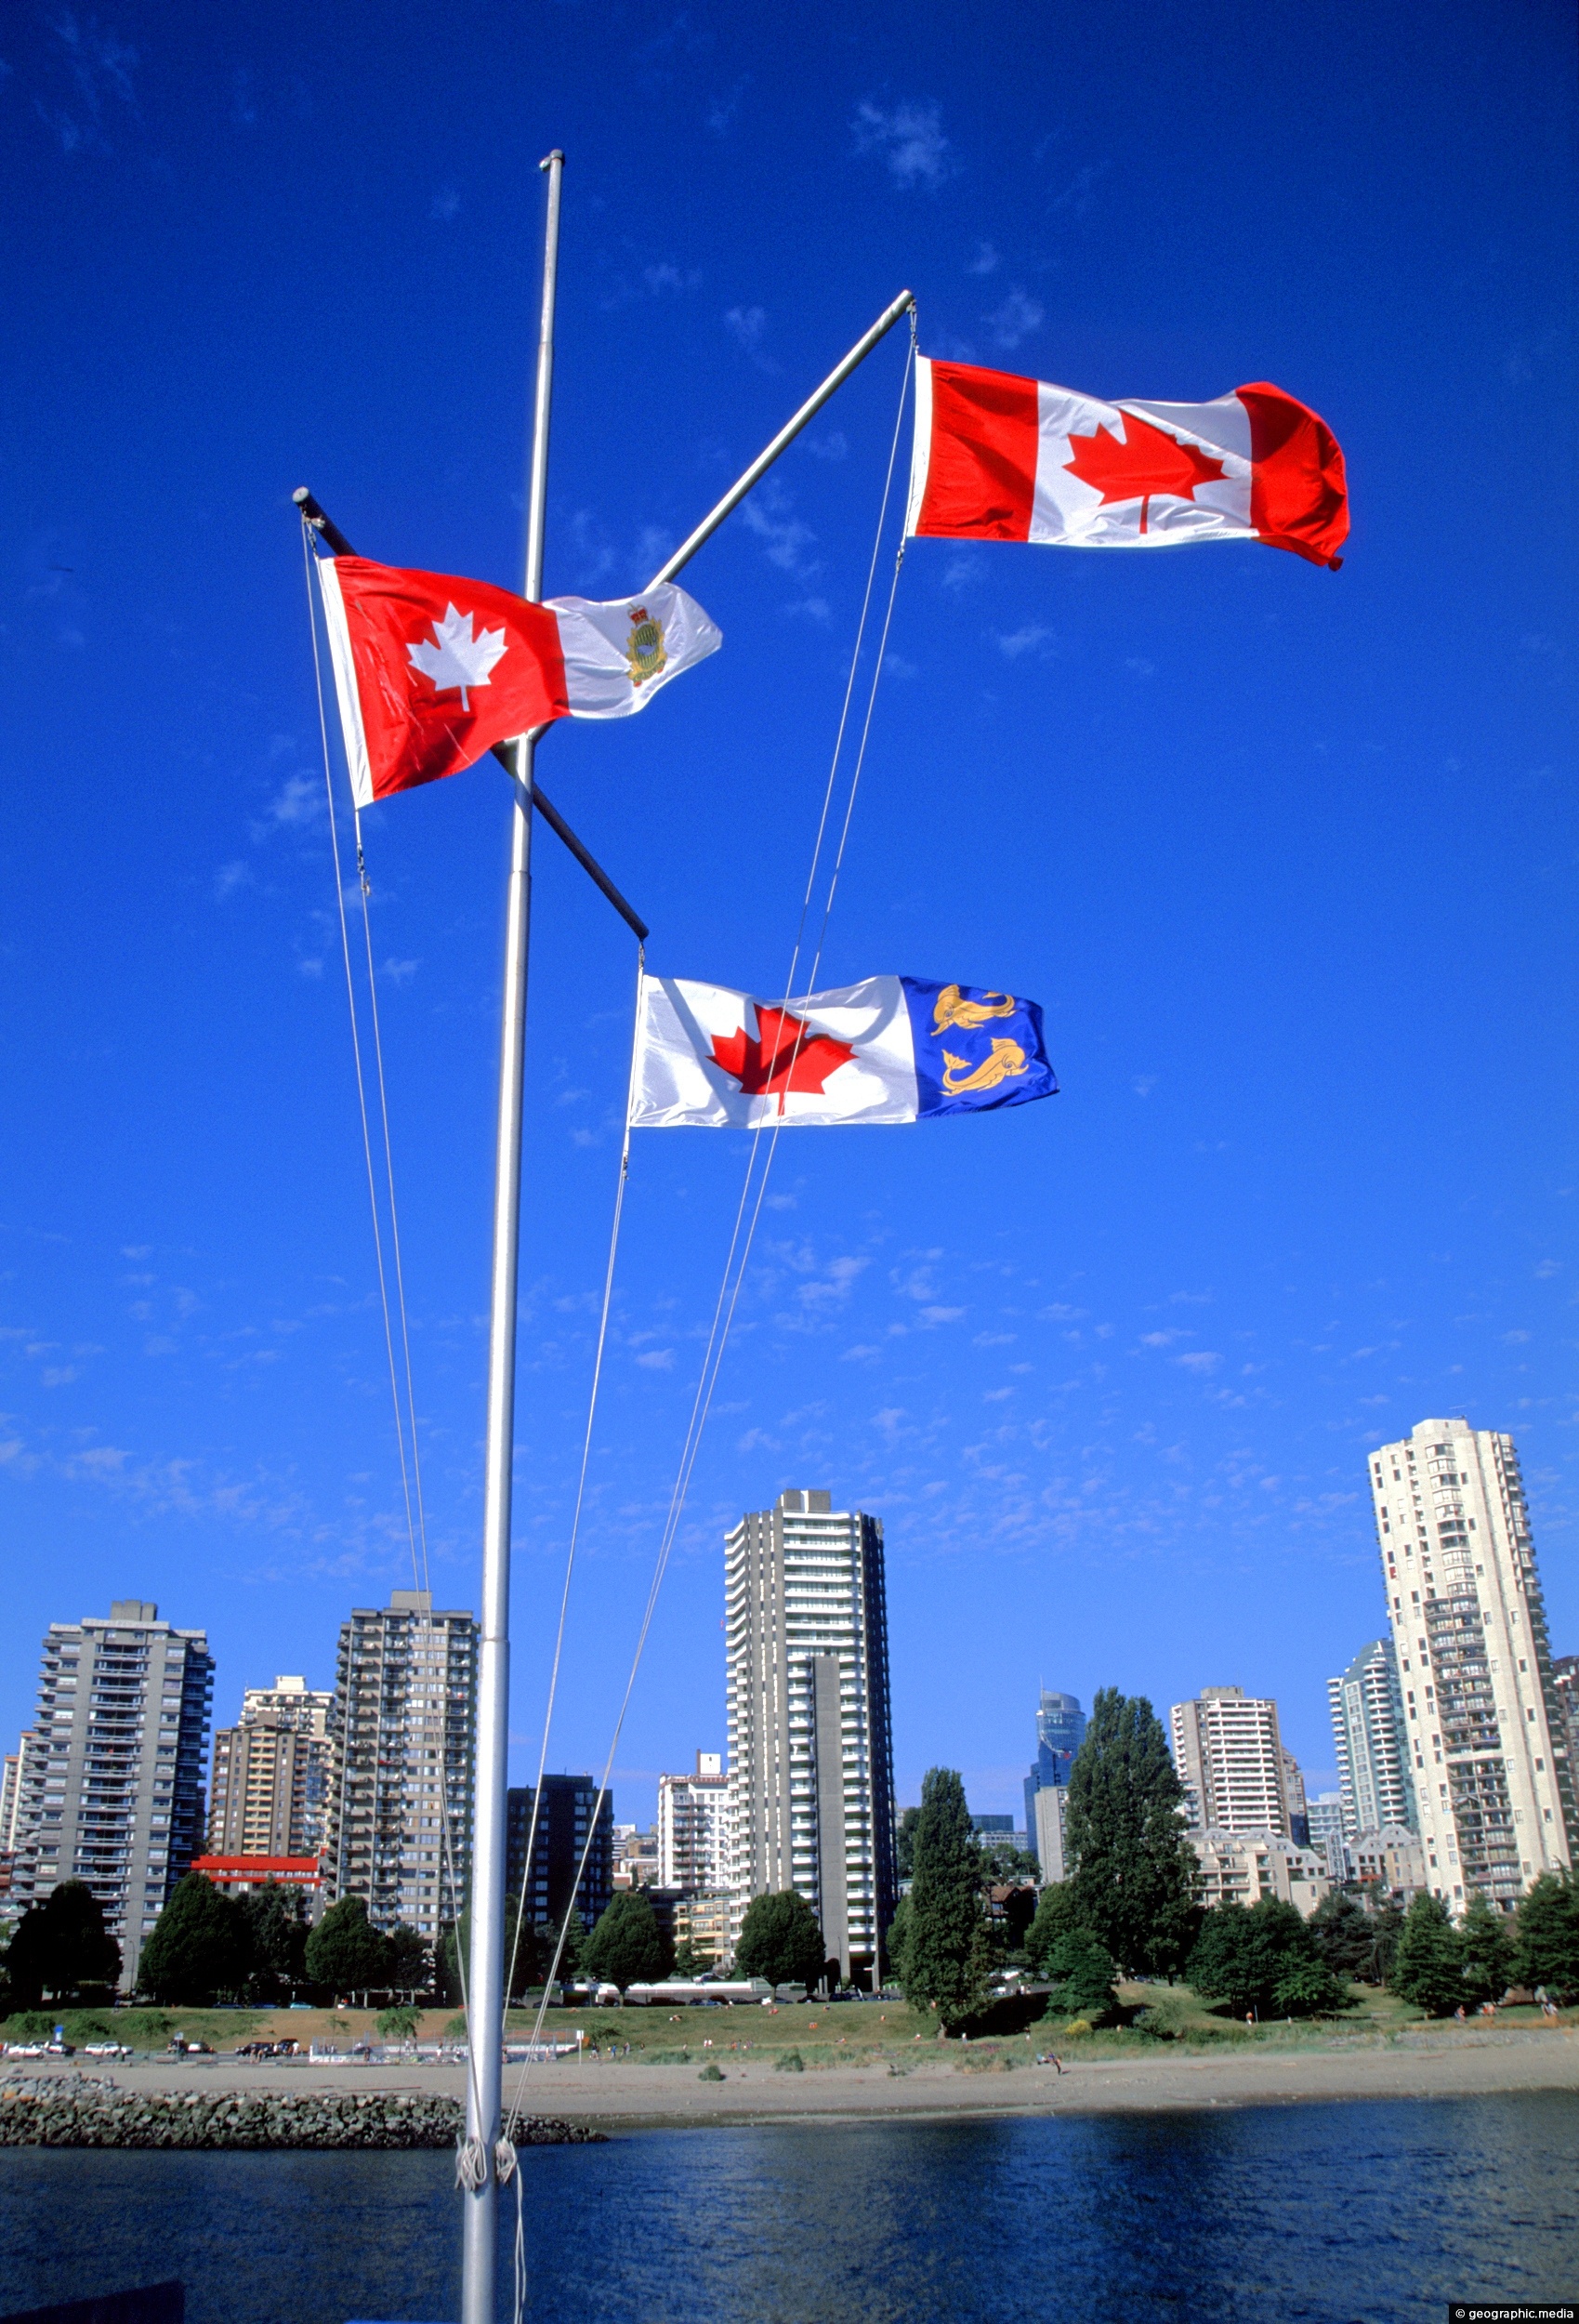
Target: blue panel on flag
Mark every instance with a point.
(975, 1049)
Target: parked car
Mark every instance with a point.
(106, 2050)
(181, 2047)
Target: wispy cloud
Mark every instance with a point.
(1030, 639)
(1014, 319)
(767, 514)
(722, 110)
(986, 260)
(909, 138)
(747, 326)
(445, 206)
(101, 66)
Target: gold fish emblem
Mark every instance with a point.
(1005, 1063)
(952, 1007)
(644, 648)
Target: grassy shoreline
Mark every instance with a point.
(888, 2033)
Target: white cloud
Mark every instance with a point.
(768, 515)
(1200, 1360)
(747, 326)
(1030, 639)
(985, 261)
(1014, 319)
(658, 1359)
(910, 137)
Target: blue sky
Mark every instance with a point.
(1285, 856)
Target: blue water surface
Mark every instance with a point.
(1357, 2213)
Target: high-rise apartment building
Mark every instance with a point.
(809, 1741)
(1367, 1702)
(694, 1826)
(569, 1811)
(1486, 1743)
(111, 1784)
(1230, 1758)
(401, 1790)
(1294, 1799)
(1565, 1680)
(1324, 1817)
(1061, 1730)
(11, 1794)
(270, 1793)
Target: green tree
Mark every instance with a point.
(346, 1953)
(410, 1966)
(276, 1924)
(947, 1948)
(895, 1943)
(628, 1947)
(1486, 1942)
(1546, 1949)
(1263, 1957)
(61, 1947)
(1083, 1973)
(399, 2023)
(1427, 1970)
(905, 1843)
(1345, 1935)
(1058, 1915)
(200, 1948)
(689, 1960)
(1387, 1922)
(780, 1940)
(1135, 1872)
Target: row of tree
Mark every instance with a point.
(1129, 1907)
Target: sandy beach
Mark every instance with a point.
(632, 2095)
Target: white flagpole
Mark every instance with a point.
(485, 1995)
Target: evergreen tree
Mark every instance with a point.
(1058, 1915)
(947, 1949)
(346, 1952)
(1263, 1957)
(200, 1948)
(1135, 1872)
(1428, 1969)
(905, 1843)
(1546, 1949)
(628, 1947)
(1387, 1925)
(1345, 1935)
(895, 1943)
(780, 1940)
(276, 1924)
(1083, 1973)
(410, 1966)
(690, 1960)
(1486, 1942)
(61, 1947)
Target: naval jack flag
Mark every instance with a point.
(431, 672)
(892, 1048)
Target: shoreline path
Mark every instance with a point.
(614, 2096)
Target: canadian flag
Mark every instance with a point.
(1001, 459)
(431, 672)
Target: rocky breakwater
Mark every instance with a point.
(76, 2110)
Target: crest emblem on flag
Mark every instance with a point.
(644, 647)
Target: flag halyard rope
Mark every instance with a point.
(466, 2161)
(734, 1275)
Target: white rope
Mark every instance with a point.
(418, 1558)
(580, 1479)
(365, 889)
(729, 1295)
(356, 1047)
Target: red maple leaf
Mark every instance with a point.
(1147, 461)
(785, 1055)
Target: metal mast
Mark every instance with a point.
(485, 1994)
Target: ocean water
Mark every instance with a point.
(1377, 2212)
